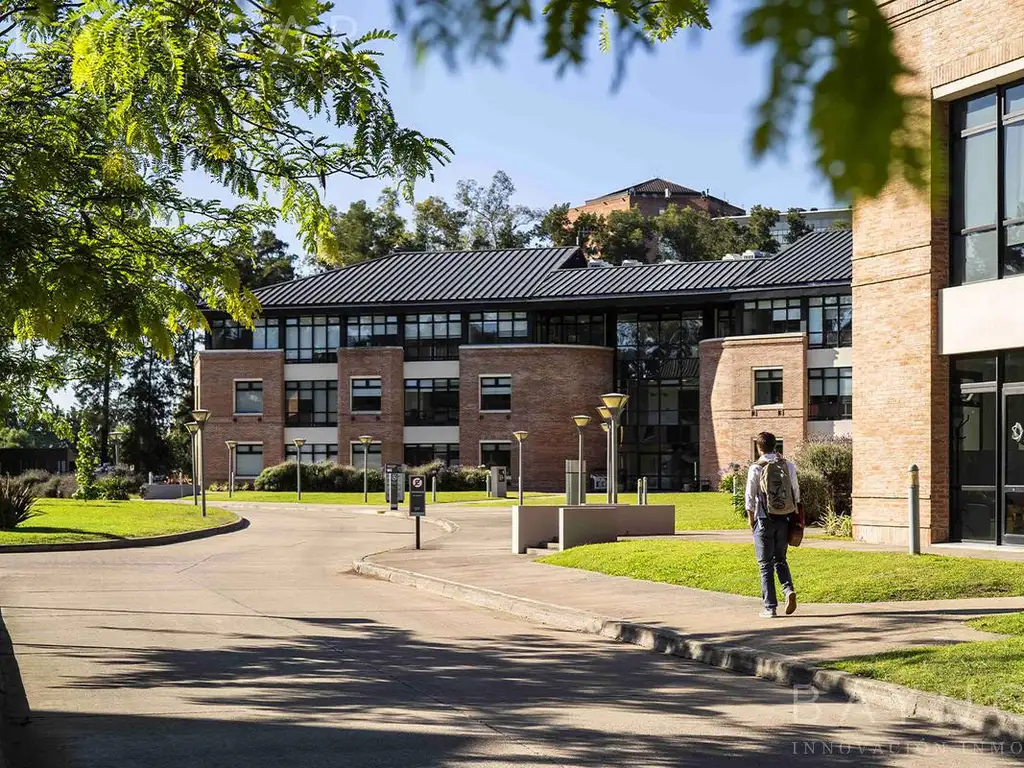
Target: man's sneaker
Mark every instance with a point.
(790, 602)
(768, 613)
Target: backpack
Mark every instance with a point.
(777, 487)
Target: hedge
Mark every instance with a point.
(328, 476)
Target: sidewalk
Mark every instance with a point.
(478, 555)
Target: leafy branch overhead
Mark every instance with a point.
(835, 57)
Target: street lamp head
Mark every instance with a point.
(581, 420)
(117, 434)
(604, 412)
(192, 427)
(366, 439)
(298, 442)
(201, 415)
(231, 444)
(615, 402)
(604, 426)
(520, 435)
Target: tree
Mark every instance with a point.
(366, 233)
(686, 233)
(798, 226)
(144, 409)
(839, 63)
(86, 462)
(266, 262)
(841, 224)
(104, 105)
(758, 232)
(437, 226)
(556, 228)
(494, 221)
(627, 235)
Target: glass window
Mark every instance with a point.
(372, 331)
(772, 316)
(659, 337)
(498, 327)
(266, 334)
(830, 394)
(249, 397)
(496, 454)
(248, 459)
(311, 403)
(366, 395)
(571, 329)
(433, 337)
(312, 338)
(987, 156)
(313, 453)
(830, 321)
(1013, 366)
(420, 455)
(432, 402)
(495, 393)
(768, 386)
(225, 333)
(780, 447)
(373, 455)
(973, 370)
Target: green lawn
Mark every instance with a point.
(989, 672)
(63, 520)
(323, 497)
(694, 511)
(821, 575)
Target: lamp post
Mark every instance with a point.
(606, 420)
(201, 415)
(116, 436)
(581, 421)
(193, 428)
(615, 402)
(366, 440)
(231, 444)
(520, 436)
(298, 442)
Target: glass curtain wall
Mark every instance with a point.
(658, 368)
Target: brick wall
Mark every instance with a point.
(387, 427)
(901, 260)
(728, 420)
(550, 384)
(216, 372)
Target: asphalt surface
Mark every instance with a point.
(261, 648)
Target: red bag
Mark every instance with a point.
(796, 526)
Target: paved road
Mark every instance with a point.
(258, 649)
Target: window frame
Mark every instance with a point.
(780, 447)
(298, 418)
(356, 454)
(312, 450)
(248, 452)
(842, 337)
(249, 388)
(420, 417)
(516, 323)
(576, 328)
(295, 348)
(779, 403)
(480, 452)
(443, 337)
(785, 304)
(831, 407)
(352, 395)
(496, 377)
(449, 450)
(384, 330)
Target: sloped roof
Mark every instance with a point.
(425, 277)
(654, 186)
(550, 274)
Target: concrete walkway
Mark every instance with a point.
(478, 554)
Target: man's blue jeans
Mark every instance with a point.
(771, 540)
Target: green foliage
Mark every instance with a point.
(494, 220)
(585, 230)
(626, 235)
(325, 476)
(798, 226)
(44, 485)
(453, 478)
(758, 232)
(115, 488)
(266, 262)
(841, 225)
(813, 494)
(16, 503)
(365, 233)
(686, 234)
(86, 463)
(834, 524)
(437, 226)
(833, 460)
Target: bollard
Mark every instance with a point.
(433, 488)
(639, 492)
(487, 484)
(914, 523)
(645, 492)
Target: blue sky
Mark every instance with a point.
(683, 113)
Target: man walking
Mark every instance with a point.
(772, 496)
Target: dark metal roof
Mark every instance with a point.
(551, 274)
(817, 258)
(439, 276)
(651, 187)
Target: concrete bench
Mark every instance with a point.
(532, 526)
(588, 524)
(166, 491)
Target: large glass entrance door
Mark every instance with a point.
(1013, 464)
(975, 490)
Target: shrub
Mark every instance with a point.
(326, 476)
(832, 459)
(838, 525)
(16, 502)
(115, 487)
(86, 464)
(734, 473)
(66, 486)
(813, 494)
(40, 482)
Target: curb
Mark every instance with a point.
(784, 670)
(150, 541)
